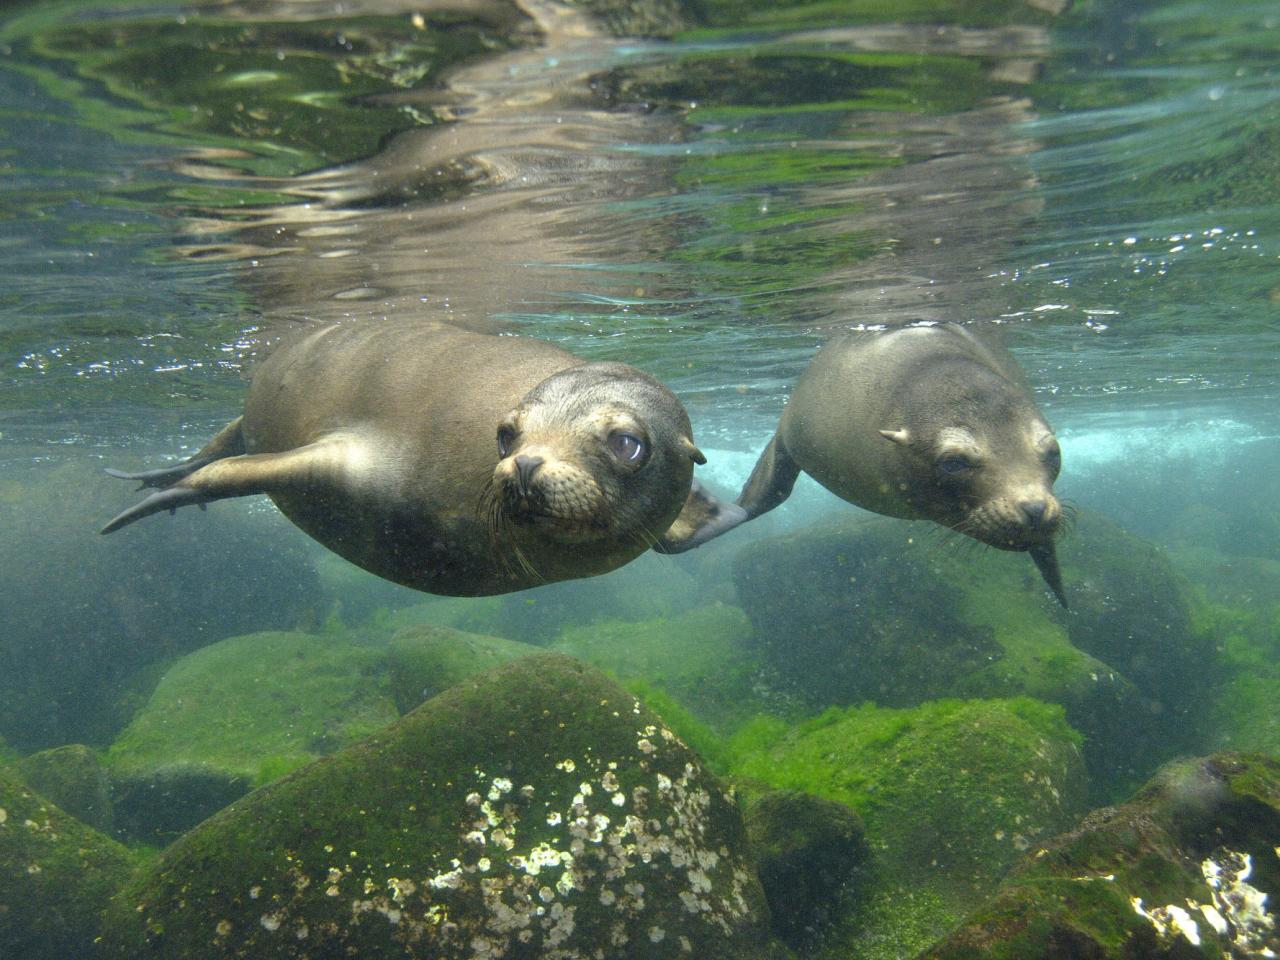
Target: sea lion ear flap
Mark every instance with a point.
(687, 447)
(902, 437)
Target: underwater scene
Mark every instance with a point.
(708, 478)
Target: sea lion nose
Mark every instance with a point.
(525, 468)
(1034, 511)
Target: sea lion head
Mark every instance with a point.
(599, 453)
(982, 461)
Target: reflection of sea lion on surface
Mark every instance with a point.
(450, 461)
(924, 422)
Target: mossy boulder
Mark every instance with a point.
(534, 811)
(1189, 868)
(237, 714)
(74, 778)
(951, 792)
(812, 858)
(1244, 714)
(1132, 610)
(858, 611)
(79, 655)
(426, 659)
(702, 658)
(56, 876)
(880, 610)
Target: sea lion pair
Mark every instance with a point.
(465, 464)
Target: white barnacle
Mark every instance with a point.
(567, 765)
(270, 922)
(4, 815)
(553, 818)
(645, 745)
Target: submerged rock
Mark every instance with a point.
(951, 792)
(74, 778)
(88, 619)
(534, 811)
(1131, 609)
(702, 658)
(425, 660)
(1188, 868)
(56, 876)
(811, 855)
(238, 714)
(879, 610)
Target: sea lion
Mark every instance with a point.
(449, 461)
(921, 422)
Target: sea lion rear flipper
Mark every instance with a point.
(771, 480)
(235, 476)
(1045, 558)
(702, 518)
(229, 442)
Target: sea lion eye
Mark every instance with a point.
(1053, 459)
(627, 447)
(955, 465)
(506, 438)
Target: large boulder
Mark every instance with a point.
(1189, 868)
(56, 876)
(951, 792)
(237, 714)
(1131, 609)
(89, 619)
(880, 610)
(534, 811)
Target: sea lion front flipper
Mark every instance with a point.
(238, 476)
(702, 518)
(770, 482)
(1045, 558)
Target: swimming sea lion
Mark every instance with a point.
(449, 461)
(921, 422)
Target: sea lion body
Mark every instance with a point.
(924, 422)
(382, 441)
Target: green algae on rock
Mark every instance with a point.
(237, 714)
(1186, 869)
(702, 658)
(425, 660)
(74, 778)
(878, 610)
(56, 876)
(951, 792)
(534, 811)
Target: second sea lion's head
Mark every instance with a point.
(599, 453)
(983, 463)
